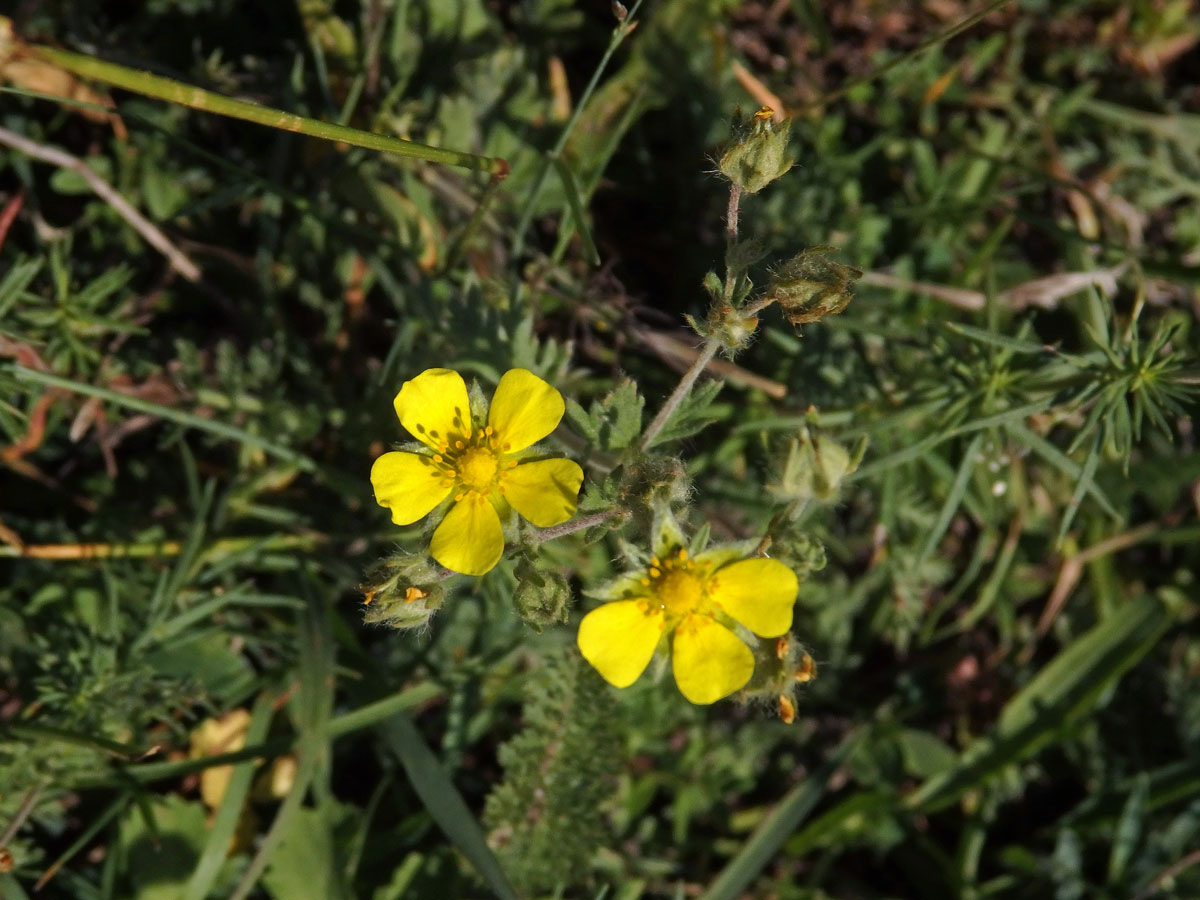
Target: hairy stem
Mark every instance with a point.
(712, 345)
(707, 352)
(579, 524)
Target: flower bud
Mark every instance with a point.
(403, 592)
(810, 286)
(759, 157)
(812, 468)
(780, 665)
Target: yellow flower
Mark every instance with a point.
(695, 603)
(481, 467)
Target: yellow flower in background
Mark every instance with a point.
(482, 468)
(696, 602)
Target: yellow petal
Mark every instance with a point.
(710, 661)
(469, 540)
(544, 491)
(619, 638)
(759, 593)
(524, 409)
(434, 406)
(408, 485)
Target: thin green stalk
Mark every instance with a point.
(472, 226)
(196, 98)
(623, 30)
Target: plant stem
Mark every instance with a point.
(579, 524)
(707, 352)
(712, 345)
(186, 95)
(731, 235)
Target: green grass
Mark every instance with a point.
(999, 596)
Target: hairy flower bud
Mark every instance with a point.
(780, 666)
(760, 156)
(403, 592)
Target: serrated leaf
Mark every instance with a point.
(622, 417)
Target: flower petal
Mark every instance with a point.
(469, 540)
(759, 593)
(408, 484)
(544, 491)
(524, 410)
(709, 660)
(619, 639)
(434, 405)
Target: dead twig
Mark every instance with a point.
(179, 261)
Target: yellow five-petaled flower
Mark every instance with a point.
(482, 467)
(696, 601)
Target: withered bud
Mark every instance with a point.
(810, 286)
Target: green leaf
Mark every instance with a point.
(622, 417)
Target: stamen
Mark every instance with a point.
(459, 496)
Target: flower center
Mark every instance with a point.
(474, 462)
(679, 592)
(678, 586)
(477, 468)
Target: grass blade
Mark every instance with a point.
(443, 801)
